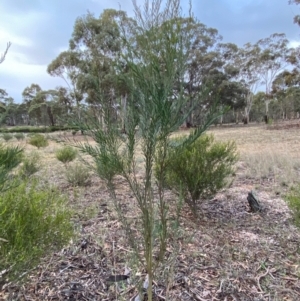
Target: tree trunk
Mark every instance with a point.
(50, 115)
(253, 202)
(123, 112)
(267, 102)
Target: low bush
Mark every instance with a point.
(19, 136)
(31, 165)
(33, 222)
(66, 154)
(38, 140)
(7, 136)
(293, 201)
(10, 157)
(78, 175)
(199, 170)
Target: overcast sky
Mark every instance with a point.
(40, 29)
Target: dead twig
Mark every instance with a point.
(259, 277)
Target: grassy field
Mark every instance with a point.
(228, 254)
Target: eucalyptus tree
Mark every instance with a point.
(31, 96)
(45, 107)
(202, 55)
(222, 78)
(55, 106)
(258, 108)
(246, 68)
(67, 66)
(3, 95)
(11, 112)
(297, 17)
(202, 58)
(89, 64)
(272, 56)
(286, 89)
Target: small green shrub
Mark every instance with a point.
(31, 165)
(19, 136)
(10, 157)
(7, 136)
(33, 222)
(293, 201)
(78, 175)
(38, 140)
(199, 170)
(66, 154)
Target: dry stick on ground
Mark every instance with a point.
(258, 279)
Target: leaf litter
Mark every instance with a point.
(230, 253)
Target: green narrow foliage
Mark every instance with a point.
(31, 165)
(19, 136)
(157, 61)
(7, 136)
(33, 222)
(200, 169)
(38, 140)
(293, 201)
(66, 154)
(10, 157)
(78, 175)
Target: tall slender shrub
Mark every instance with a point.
(156, 61)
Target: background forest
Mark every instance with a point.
(259, 81)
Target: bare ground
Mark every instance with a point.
(228, 254)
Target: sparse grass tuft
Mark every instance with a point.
(19, 136)
(38, 140)
(78, 175)
(66, 154)
(7, 136)
(10, 157)
(31, 165)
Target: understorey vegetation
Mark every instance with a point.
(198, 171)
(132, 208)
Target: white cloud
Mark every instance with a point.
(20, 75)
(6, 36)
(294, 44)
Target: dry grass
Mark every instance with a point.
(229, 254)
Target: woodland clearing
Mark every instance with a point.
(228, 254)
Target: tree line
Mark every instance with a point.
(256, 82)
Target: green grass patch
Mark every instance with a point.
(33, 222)
(293, 201)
